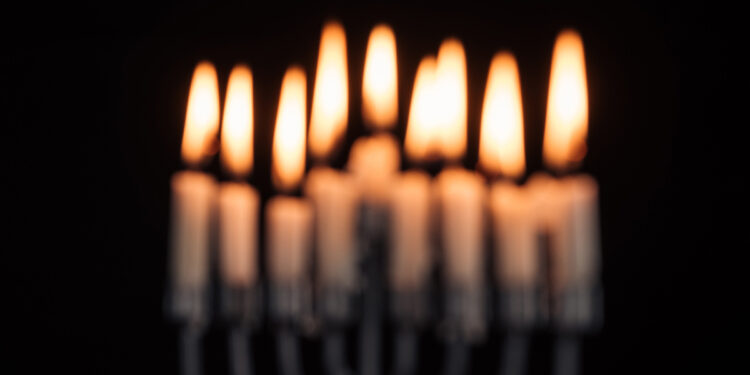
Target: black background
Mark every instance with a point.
(94, 101)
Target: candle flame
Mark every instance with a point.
(451, 98)
(567, 105)
(422, 140)
(330, 96)
(237, 125)
(379, 86)
(501, 148)
(289, 135)
(202, 117)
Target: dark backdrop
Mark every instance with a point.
(94, 102)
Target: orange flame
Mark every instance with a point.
(567, 105)
(501, 148)
(288, 163)
(451, 98)
(379, 84)
(237, 125)
(331, 94)
(422, 139)
(202, 117)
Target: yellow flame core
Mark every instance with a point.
(331, 94)
(202, 116)
(379, 86)
(289, 135)
(237, 123)
(567, 105)
(501, 147)
(451, 99)
(422, 140)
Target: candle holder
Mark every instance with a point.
(336, 314)
(291, 309)
(241, 309)
(188, 308)
(410, 311)
(372, 238)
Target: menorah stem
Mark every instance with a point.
(567, 355)
(288, 352)
(405, 352)
(239, 352)
(334, 353)
(514, 354)
(190, 351)
(456, 358)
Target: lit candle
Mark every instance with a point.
(238, 201)
(333, 193)
(501, 152)
(374, 161)
(575, 238)
(410, 204)
(194, 192)
(289, 219)
(460, 193)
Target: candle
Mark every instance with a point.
(574, 237)
(379, 82)
(374, 162)
(333, 193)
(410, 258)
(410, 204)
(501, 152)
(238, 201)
(462, 196)
(289, 219)
(194, 192)
(516, 243)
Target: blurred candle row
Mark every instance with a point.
(453, 210)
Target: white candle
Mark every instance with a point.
(514, 226)
(193, 195)
(411, 256)
(193, 192)
(238, 233)
(289, 231)
(568, 212)
(334, 197)
(462, 195)
(584, 226)
(374, 162)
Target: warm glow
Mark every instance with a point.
(421, 141)
(288, 162)
(202, 117)
(451, 99)
(379, 86)
(330, 96)
(501, 148)
(237, 123)
(567, 105)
